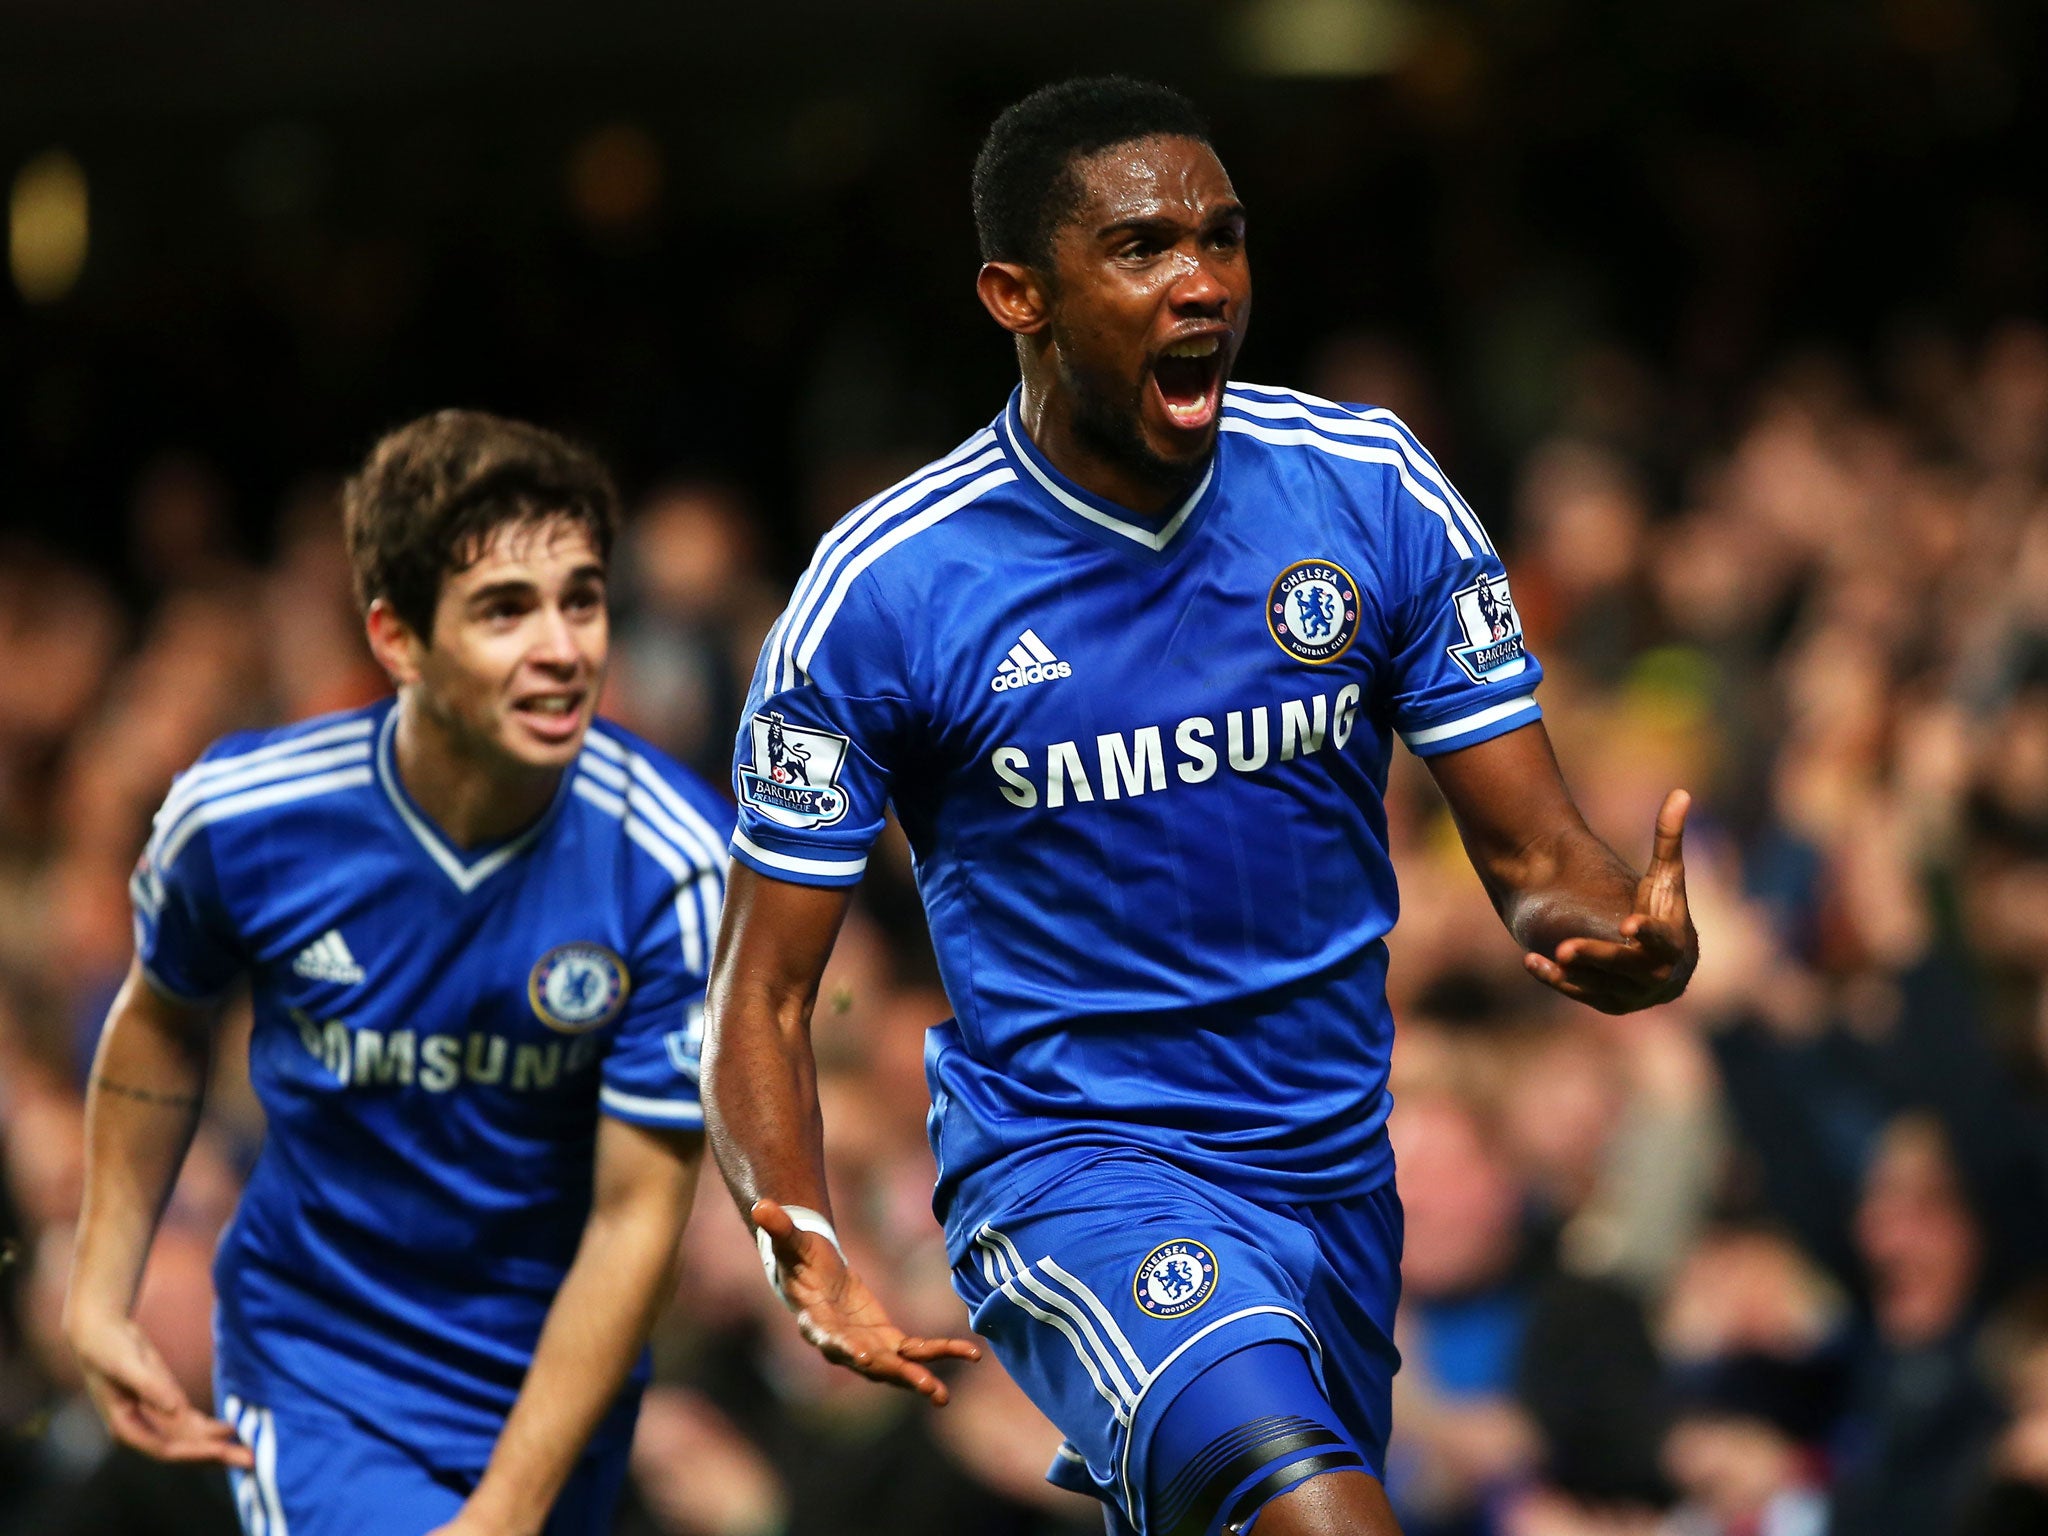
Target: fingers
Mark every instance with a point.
(882, 1354)
(939, 1349)
(1647, 948)
(1595, 989)
(200, 1438)
(792, 1246)
(1668, 848)
(185, 1436)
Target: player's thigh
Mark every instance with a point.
(1116, 1280)
(1341, 1504)
(1251, 1436)
(318, 1473)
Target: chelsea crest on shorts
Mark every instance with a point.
(1175, 1278)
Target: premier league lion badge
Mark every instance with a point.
(1493, 631)
(576, 988)
(1312, 611)
(794, 780)
(1175, 1278)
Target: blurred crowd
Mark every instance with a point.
(1770, 1261)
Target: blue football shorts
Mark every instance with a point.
(1115, 1283)
(320, 1472)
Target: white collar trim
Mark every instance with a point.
(1154, 540)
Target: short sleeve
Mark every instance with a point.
(1461, 673)
(827, 722)
(184, 937)
(650, 1071)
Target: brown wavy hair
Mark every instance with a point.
(431, 494)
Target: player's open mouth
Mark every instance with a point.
(1189, 377)
(556, 716)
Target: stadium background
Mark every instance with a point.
(1727, 315)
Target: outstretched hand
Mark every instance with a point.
(141, 1402)
(1654, 958)
(840, 1316)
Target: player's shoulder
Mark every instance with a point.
(666, 810)
(894, 535)
(253, 777)
(1367, 447)
(1292, 423)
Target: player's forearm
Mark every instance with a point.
(761, 1099)
(623, 1272)
(142, 1106)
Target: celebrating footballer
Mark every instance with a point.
(1129, 664)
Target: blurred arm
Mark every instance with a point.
(623, 1272)
(142, 1106)
(761, 1110)
(1590, 927)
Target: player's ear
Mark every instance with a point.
(1015, 295)
(393, 642)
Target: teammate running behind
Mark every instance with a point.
(475, 921)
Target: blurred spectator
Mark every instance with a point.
(1498, 1394)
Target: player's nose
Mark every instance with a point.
(554, 642)
(1199, 290)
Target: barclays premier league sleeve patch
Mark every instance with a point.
(1492, 630)
(794, 778)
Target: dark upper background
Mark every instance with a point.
(736, 239)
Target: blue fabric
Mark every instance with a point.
(1247, 1430)
(1110, 1282)
(1141, 766)
(436, 1033)
(320, 1472)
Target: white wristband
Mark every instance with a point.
(804, 1219)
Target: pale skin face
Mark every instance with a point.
(1127, 339)
(494, 706)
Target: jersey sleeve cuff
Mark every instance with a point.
(644, 1109)
(802, 869)
(179, 995)
(1468, 730)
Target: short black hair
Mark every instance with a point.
(431, 494)
(1024, 185)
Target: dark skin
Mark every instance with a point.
(1153, 256)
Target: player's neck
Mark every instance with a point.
(1144, 490)
(473, 798)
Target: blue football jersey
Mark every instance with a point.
(436, 1033)
(1141, 766)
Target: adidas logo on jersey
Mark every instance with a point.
(1030, 661)
(327, 958)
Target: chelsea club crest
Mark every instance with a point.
(1175, 1278)
(1312, 611)
(576, 988)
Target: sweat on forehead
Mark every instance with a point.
(1025, 185)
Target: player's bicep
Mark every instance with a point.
(773, 942)
(641, 1167)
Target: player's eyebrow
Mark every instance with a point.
(1158, 224)
(511, 587)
